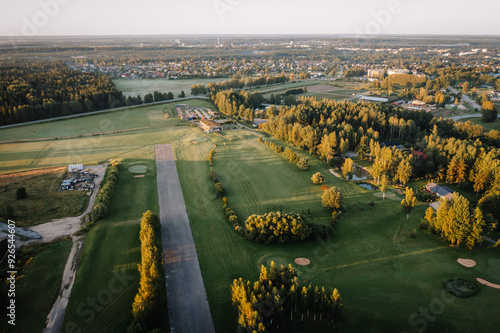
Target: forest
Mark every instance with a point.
(39, 90)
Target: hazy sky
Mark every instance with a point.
(125, 17)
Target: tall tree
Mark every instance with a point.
(383, 185)
(409, 202)
(348, 168)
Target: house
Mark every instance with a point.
(400, 102)
(210, 126)
(390, 144)
(420, 154)
(440, 191)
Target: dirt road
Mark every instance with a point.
(188, 307)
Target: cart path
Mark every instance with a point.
(188, 307)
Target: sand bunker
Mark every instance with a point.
(489, 284)
(466, 262)
(334, 173)
(302, 261)
(138, 168)
(139, 176)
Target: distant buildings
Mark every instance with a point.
(397, 71)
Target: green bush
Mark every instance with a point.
(21, 193)
(461, 288)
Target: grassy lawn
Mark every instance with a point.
(371, 257)
(112, 249)
(146, 86)
(44, 203)
(38, 286)
(487, 126)
(384, 275)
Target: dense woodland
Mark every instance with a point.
(39, 90)
(278, 299)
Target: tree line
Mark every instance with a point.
(278, 299)
(103, 198)
(288, 153)
(147, 307)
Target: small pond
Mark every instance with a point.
(370, 187)
(360, 173)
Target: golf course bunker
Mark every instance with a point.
(138, 168)
(489, 284)
(466, 262)
(302, 261)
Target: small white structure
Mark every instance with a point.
(373, 99)
(75, 167)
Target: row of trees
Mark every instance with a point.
(456, 222)
(289, 154)
(146, 308)
(277, 299)
(238, 83)
(103, 198)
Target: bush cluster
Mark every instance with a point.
(461, 288)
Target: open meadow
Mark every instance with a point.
(146, 86)
(389, 281)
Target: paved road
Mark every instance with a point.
(466, 99)
(188, 308)
(465, 116)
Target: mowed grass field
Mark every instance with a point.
(146, 86)
(108, 267)
(26, 155)
(33, 302)
(385, 276)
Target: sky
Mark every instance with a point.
(158, 17)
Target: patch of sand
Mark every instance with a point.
(302, 261)
(139, 176)
(489, 284)
(332, 171)
(466, 262)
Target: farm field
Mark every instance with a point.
(385, 276)
(371, 257)
(146, 86)
(33, 301)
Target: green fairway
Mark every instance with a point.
(385, 277)
(20, 156)
(146, 86)
(383, 274)
(38, 286)
(111, 253)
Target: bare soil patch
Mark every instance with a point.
(321, 88)
(302, 261)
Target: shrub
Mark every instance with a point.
(277, 227)
(332, 199)
(324, 187)
(461, 288)
(259, 139)
(219, 188)
(318, 178)
(21, 193)
(303, 164)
